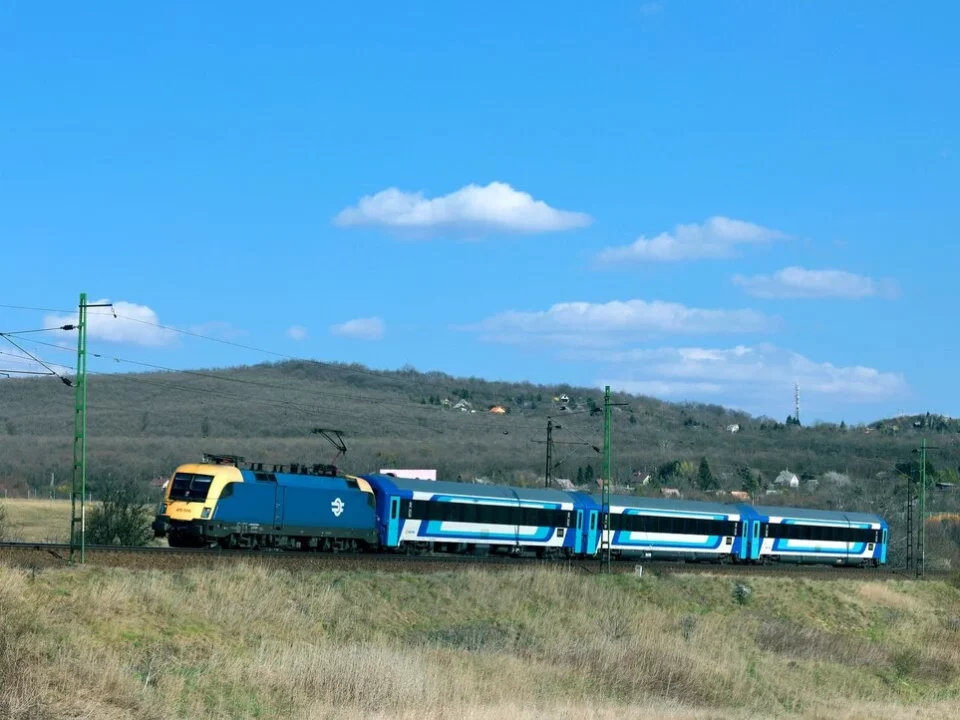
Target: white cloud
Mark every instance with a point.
(297, 332)
(762, 372)
(797, 282)
(604, 324)
(371, 328)
(471, 210)
(133, 324)
(715, 238)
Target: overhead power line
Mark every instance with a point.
(51, 371)
(384, 375)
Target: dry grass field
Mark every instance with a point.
(36, 520)
(251, 642)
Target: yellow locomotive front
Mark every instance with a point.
(190, 497)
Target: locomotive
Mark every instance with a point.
(223, 502)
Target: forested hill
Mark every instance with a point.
(143, 425)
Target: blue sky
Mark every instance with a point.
(701, 201)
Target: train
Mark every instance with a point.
(226, 503)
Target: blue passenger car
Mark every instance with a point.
(461, 517)
(673, 529)
(801, 535)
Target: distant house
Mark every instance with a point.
(498, 410)
(563, 398)
(445, 402)
(733, 428)
(643, 478)
(740, 495)
(787, 479)
(563, 484)
(463, 406)
(670, 492)
(159, 482)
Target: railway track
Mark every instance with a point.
(49, 555)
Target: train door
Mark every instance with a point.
(755, 544)
(393, 523)
(590, 533)
(279, 493)
(578, 539)
(883, 547)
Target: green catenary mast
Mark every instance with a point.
(79, 483)
(605, 475)
(78, 490)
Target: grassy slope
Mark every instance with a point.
(250, 642)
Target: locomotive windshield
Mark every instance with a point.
(190, 487)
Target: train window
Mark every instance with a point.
(593, 521)
(265, 477)
(394, 506)
(227, 490)
(190, 487)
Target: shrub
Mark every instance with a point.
(121, 517)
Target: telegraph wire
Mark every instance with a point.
(65, 381)
(385, 375)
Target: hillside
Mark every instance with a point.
(246, 640)
(143, 425)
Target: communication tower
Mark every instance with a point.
(796, 401)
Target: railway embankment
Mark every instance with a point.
(251, 639)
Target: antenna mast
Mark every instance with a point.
(796, 401)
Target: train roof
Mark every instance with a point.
(811, 514)
(471, 489)
(300, 480)
(649, 503)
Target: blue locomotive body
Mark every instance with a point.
(262, 509)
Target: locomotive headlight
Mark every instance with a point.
(205, 514)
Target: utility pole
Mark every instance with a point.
(921, 530)
(921, 519)
(605, 480)
(78, 528)
(550, 442)
(78, 490)
(910, 501)
(548, 473)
